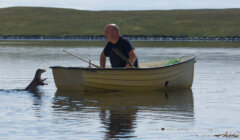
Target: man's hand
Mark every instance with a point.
(132, 58)
(102, 61)
(129, 65)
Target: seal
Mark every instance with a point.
(36, 80)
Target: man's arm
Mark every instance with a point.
(102, 60)
(132, 58)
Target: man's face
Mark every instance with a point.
(109, 33)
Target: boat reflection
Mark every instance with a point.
(118, 111)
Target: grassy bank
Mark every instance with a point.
(135, 43)
(68, 22)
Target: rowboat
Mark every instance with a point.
(149, 76)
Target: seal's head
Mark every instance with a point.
(40, 71)
(38, 74)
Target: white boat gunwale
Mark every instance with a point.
(150, 68)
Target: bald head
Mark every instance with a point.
(112, 27)
(112, 33)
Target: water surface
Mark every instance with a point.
(211, 107)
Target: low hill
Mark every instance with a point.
(68, 22)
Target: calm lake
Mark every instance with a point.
(212, 106)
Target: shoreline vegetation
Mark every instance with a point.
(51, 22)
(80, 43)
(39, 26)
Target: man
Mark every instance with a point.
(122, 45)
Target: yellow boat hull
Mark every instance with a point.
(150, 76)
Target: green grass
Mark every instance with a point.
(135, 43)
(68, 22)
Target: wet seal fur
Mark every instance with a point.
(37, 80)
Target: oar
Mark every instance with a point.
(89, 62)
(123, 57)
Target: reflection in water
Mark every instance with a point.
(37, 97)
(37, 101)
(119, 121)
(118, 111)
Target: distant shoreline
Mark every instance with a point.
(132, 38)
(102, 43)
